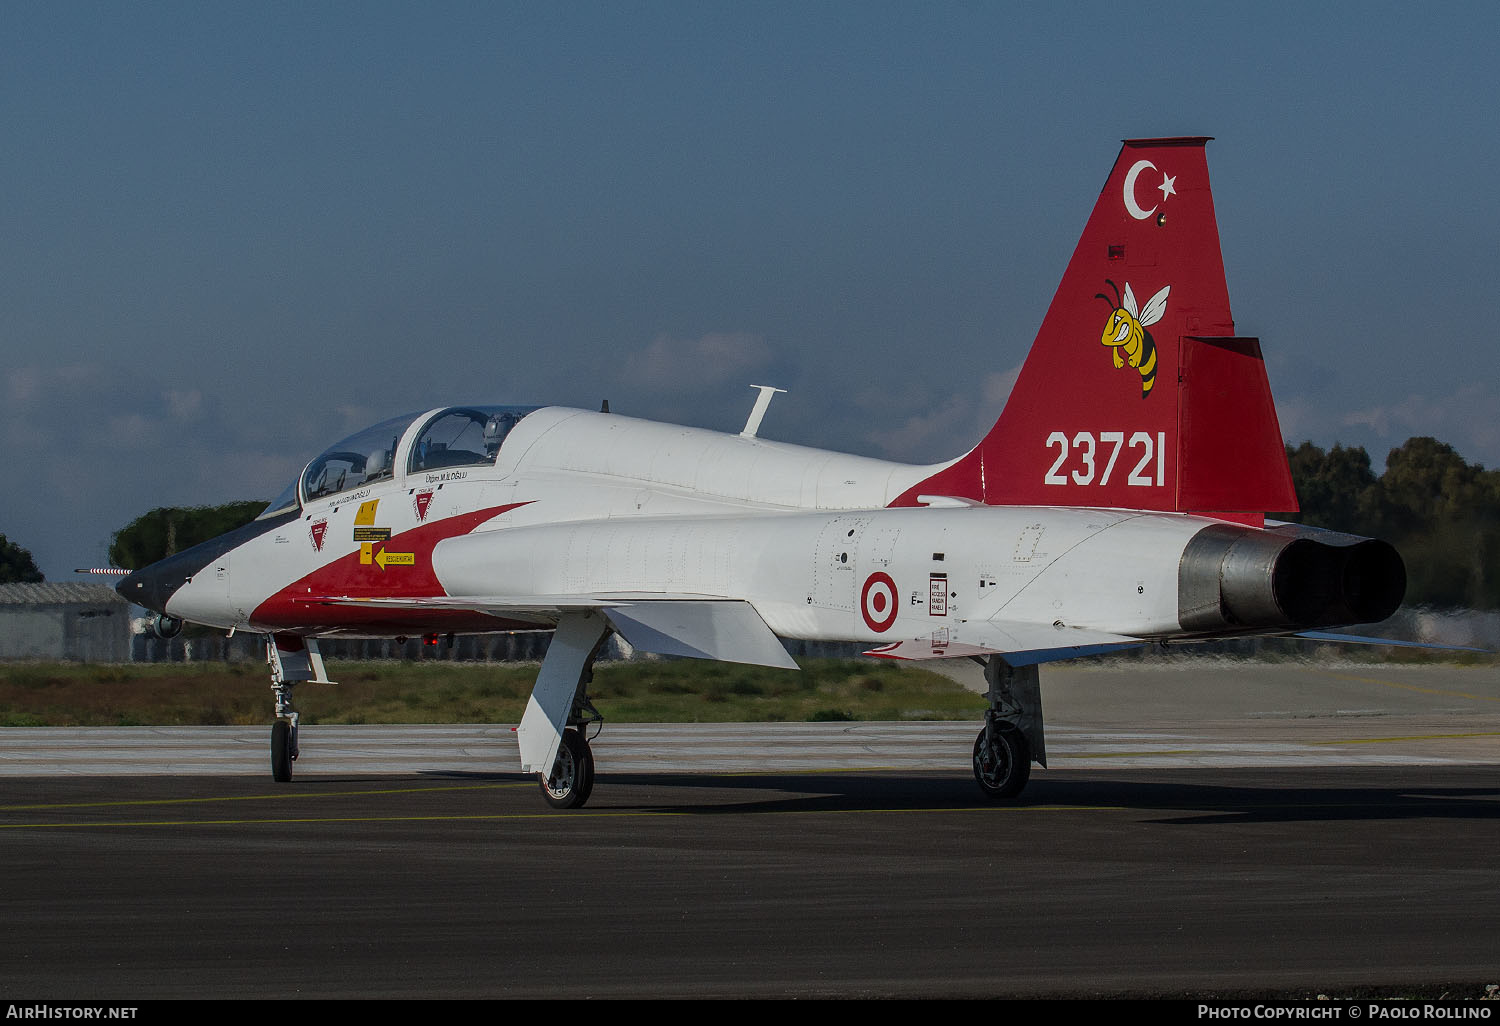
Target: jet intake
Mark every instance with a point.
(165, 627)
(1240, 577)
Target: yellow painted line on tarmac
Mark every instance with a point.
(1234, 747)
(272, 796)
(1409, 737)
(1411, 687)
(279, 821)
(1237, 747)
(576, 816)
(557, 817)
(1147, 754)
(603, 814)
(811, 771)
(970, 808)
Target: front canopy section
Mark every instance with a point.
(460, 436)
(358, 460)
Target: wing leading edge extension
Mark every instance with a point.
(728, 630)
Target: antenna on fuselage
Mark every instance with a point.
(758, 411)
(604, 407)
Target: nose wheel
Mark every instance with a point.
(283, 749)
(572, 778)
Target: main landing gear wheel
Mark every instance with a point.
(1002, 760)
(283, 751)
(572, 778)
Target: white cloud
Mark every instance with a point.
(996, 388)
(23, 384)
(920, 436)
(47, 406)
(1301, 418)
(1468, 419)
(945, 427)
(676, 366)
(184, 405)
(132, 432)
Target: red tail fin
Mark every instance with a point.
(1136, 393)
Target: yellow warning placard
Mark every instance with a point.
(384, 559)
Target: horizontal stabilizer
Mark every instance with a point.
(1360, 639)
(1021, 644)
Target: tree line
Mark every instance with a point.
(16, 564)
(1441, 512)
(149, 537)
(168, 530)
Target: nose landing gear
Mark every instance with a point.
(293, 660)
(283, 748)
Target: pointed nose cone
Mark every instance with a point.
(152, 585)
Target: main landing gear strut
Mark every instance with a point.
(571, 781)
(1012, 736)
(553, 732)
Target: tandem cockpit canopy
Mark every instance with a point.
(461, 436)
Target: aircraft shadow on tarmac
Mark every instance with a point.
(1195, 797)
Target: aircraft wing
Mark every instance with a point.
(1022, 644)
(729, 630)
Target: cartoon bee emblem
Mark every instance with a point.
(1126, 330)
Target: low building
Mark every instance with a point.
(81, 622)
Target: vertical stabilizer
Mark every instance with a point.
(1136, 393)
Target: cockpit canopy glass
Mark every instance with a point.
(464, 436)
(467, 436)
(286, 502)
(357, 460)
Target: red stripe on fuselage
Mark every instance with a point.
(296, 608)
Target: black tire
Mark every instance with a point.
(572, 778)
(281, 751)
(1002, 769)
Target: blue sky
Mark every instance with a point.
(230, 236)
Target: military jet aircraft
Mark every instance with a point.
(1119, 500)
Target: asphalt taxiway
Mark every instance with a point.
(1225, 829)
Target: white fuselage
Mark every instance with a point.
(595, 504)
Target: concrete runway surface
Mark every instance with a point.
(1210, 828)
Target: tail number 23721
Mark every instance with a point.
(1082, 460)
